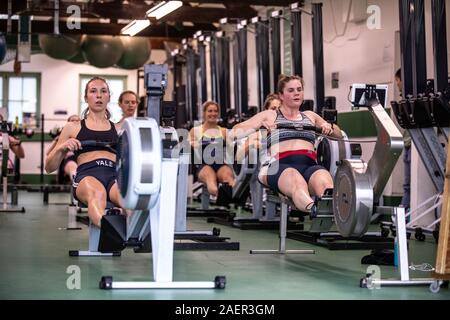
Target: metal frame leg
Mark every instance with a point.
(204, 198)
(7, 208)
(371, 282)
(283, 232)
(94, 238)
(162, 224)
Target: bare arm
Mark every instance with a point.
(321, 123)
(52, 146)
(336, 131)
(193, 139)
(65, 143)
(16, 147)
(253, 141)
(246, 128)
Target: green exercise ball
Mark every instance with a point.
(136, 52)
(102, 51)
(60, 46)
(78, 58)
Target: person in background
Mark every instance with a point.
(272, 102)
(15, 145)
(128, 102)
(203, 138)
(68, 167)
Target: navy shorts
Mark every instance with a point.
(304, 164)
(103, 170)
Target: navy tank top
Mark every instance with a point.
(109, 136)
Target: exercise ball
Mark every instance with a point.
(60, 46)
(2, 47)
(136, 52)
(102, 51)
(78, 58)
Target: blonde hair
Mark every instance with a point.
(269, 99)
(209, 103)
(70, 119)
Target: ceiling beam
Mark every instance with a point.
(209, 15)
(271, 3)
(133, 11)
(160, 30)
(94, 10)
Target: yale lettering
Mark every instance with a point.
(104, 163)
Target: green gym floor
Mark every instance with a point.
(34, 261)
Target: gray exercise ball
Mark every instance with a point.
(136, 52)
(60, 46)
(102, 51)
(78, 58)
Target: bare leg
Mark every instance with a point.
(208, 177)
(319, 182)
(114, 195)
(226, 175)
(70, 169)
(293, 185)
(115, 198)
(91, 192)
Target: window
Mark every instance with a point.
(117, 84)
(20, 95)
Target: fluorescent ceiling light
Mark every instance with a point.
(276, 13)
(135, 27)
(163, 8)
(211, 5)
(5, 17)
(124, 21)
(42, 18)
(255, 19)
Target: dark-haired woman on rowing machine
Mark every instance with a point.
(95, 181)
(292, 169)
